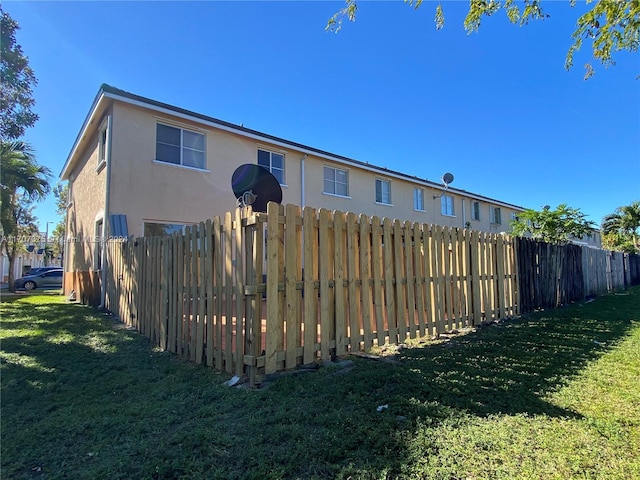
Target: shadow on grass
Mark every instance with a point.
(82, 399)
(79, 396)
(509, 368)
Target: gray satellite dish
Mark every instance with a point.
(447, 178)
(256, 186)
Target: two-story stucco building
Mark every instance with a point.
(139, 166)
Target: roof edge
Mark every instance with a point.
(64, 174)
(108, 91)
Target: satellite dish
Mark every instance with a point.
(254, 185)
(447, 178)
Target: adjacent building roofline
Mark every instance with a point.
(113, 93)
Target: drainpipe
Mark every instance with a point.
(464, 219)
(105, 222)
(302, 198)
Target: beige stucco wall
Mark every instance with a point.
(362, 199)
(87, 186)
(146, 190)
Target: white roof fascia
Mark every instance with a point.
(173, 113)
(87, 121)
(284, 144)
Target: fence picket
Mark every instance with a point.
(228, 292)
(410, 279)
(275, 254)
(364, 235)
(335, 282)
(401, 282)
(218, 270)
(201, 339)
(376, 265)
(326, 269)
(292, 271)
(353, 291)
(341, 319)
(208, 279)
(389, 287)
(310, 239)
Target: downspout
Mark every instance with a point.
(464, 219)
(302, 198)
(105, 223)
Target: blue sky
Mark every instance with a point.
(495, 108)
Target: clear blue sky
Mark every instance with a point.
(495, 108)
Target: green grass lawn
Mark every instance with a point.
(551, 395)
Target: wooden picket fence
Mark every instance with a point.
(605, 271)
(550, 275)
(252, 293)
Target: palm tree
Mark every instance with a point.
(624, 224)
(22, 181)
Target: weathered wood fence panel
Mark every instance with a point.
(252, 293)
(550, 275)
(604, 270)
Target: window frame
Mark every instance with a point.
(334, 181)
(70, 191)
(271, 167)
(382, 182)
(182, 147)
(103, 145)
(182, 226)
(496, 215)
(418, 199)
(98, 240)
(475, 212)
(444, 204)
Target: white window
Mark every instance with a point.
(383, 191)
(156, 229)
(446, 205)
(496, 215)
(102, 145)
(70, 192)
(180, 146)
(98, 239)
(274, 162)
(475, 211)
(418, 199)
(336, 181)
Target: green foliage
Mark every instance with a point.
(16, 83)
(334, 24)
(57, 240)
(611, 25)
(23, 181)
(621, 229)
(552, 226)
(61, 192)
